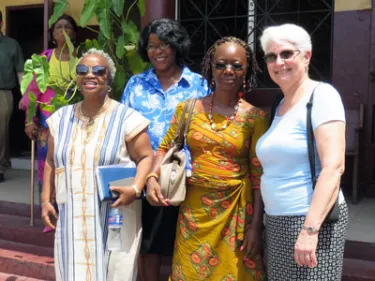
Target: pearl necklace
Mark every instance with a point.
(228, 118)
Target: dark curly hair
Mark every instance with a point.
(63, 17)
(170, 32)
(252, 65)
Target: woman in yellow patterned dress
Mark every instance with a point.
(219, 224)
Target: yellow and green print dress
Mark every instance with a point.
(218, 206)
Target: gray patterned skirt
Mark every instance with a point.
(281, 235)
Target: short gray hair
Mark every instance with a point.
(104, 55)
(291, 33)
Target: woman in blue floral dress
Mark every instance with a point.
(155, 93)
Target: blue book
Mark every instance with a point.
(107, 174)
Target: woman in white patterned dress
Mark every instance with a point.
(95, 132)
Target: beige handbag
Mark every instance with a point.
(172, 178)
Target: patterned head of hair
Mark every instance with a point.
(250, 71)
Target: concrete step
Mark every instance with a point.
(165, 271)
(18, 209)
(359, 250)
(13, 277)
(18, 229)
(23, 248)
(23, 163)
(26, 261)
(358, 270)
(359, 261)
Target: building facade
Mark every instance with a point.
(343, 33)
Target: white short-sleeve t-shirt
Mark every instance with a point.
(286, 181)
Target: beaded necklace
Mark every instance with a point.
(228, 118)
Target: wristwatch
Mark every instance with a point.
(310, 229)
(137, 192)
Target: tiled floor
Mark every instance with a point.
(16, 188)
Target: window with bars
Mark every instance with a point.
(208, 20)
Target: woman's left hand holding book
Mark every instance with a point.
(126, 195)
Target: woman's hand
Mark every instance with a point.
(48, 211)
(305, 249)
(252, 241)
(31, 131)
(126, 195)
(154, 196)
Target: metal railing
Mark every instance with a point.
(208, 20)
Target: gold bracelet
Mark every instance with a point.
(152, 175)
(137, 191)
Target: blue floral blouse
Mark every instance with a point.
(145, 94)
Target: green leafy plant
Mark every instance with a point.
(118, 35)
(65, 88)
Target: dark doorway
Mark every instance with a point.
(25, 24)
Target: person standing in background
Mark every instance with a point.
(11, 62)
(61, 74)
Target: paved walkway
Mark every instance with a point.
(16, 188)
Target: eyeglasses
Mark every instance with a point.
(222, 66)
(66, 27)
(284, 55)
(98, 70)
(152, 48)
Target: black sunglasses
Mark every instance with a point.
(222, 66)
(284, 55)
(98, 70)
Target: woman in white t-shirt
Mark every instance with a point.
(299, 244)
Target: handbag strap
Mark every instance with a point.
(191, 109)
(310, 138)
(158, 220)
(177, 135)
